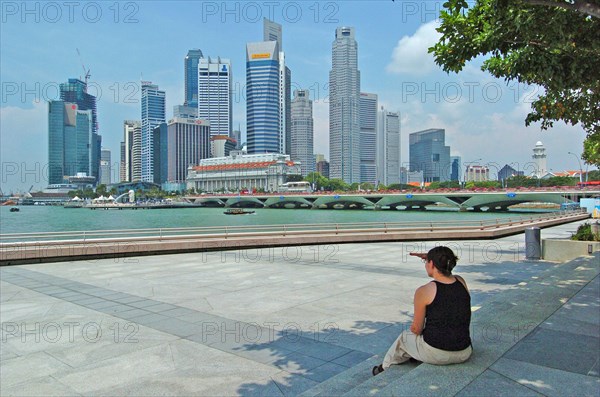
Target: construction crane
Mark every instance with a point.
(86, 71)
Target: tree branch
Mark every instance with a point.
(582, 7)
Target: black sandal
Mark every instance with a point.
(377, 369)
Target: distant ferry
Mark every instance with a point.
(237, 211)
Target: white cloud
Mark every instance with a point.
(410, 54)
(24, 146)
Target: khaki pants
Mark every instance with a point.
(410, 345)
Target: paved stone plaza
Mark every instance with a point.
(308, 320)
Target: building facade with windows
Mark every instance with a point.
(71, 143)
(153, 114)
(368, 138)
(186, 143)
(262, 97)
(428, 153)
(240, 172)
(214, 94)
(130, 152)
(190, 70)
(302, 133)
(221, 145)
(477, 173)
(388, 153)
(105, 167)
(344, 105)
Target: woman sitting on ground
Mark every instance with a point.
(439, 333)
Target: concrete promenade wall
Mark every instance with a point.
(53, 251)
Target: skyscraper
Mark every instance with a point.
(187, 142)
(268, 88)
(455, 168)
(368, 138)
(214, 94)
(272, 31)
(302, 132)
(71, 142)
(428, 153)
(153, 113)
(388, 150)
(105, 167)
(133, 132)
(75, 91)
(131, 151)
(262, 97)
(190, 67)
(344, 104)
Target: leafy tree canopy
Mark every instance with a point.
(552, 43)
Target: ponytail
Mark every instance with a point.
(443, 259)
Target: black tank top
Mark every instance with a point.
(448, 318)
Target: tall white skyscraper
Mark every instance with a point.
(153, 114)
(388, 148)
(302, 132)
(368, 138)
(214, 94)
(344, 105)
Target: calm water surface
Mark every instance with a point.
(33, 219)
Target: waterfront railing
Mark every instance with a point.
(86, 236)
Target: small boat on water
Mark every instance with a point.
(237, 211)
(14, 209)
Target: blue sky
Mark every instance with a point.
(123, 42)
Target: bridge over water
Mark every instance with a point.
(463, 201)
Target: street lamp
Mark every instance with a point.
(580, 167)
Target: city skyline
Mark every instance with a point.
(479, 113)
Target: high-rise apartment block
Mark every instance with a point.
(214, 94)
(190, 67)
(302, 132)
(153, 114)
(428, 153)
(388, 151)
(344, 105)
(368, 138)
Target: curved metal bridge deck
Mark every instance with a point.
(463, 201)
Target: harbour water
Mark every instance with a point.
(32, 219)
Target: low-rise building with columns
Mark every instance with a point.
(242, 172)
